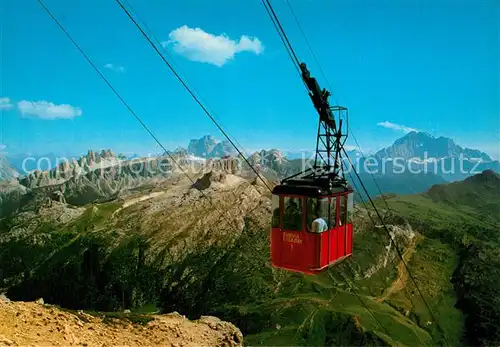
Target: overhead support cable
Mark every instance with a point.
(284, 39)
(281, 32)
(309, 46)
(205, 110)
(164, 50)
(129, 108)
(386, 229)
(356, 141)
(365, 305)
(350, 131)
(221, 214)
(294, 56)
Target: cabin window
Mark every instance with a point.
(343, 210)
(333, 212)
(276, 211)
(317, 219)
(292, 214)
(350, 207)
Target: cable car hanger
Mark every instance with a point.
(310, 227)
(330, 138)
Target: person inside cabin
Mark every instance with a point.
(292, 216)
(318, 224)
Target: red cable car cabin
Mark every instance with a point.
(311, 222)
(299, 240)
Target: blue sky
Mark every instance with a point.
(426, 65)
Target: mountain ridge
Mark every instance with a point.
(462, 219)
(168, 246)
(207, 147)
(101, 175)
(7, 172)
(422, 145)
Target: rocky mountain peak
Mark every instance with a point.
(229, 166)
(208, 147)
(417, 135)
(487, 176)
(95, 157)
(268, 157)
(202, 147)
(422, 145)
(107, 154)
(6, 171)
(70, 168)
(223, 149)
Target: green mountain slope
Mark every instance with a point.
(174, 252)
(461, 221)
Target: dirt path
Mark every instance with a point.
(400, 282)
(137, 200)
(33, 324)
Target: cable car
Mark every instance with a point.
(311, 227)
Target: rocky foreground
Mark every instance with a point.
(32, 323)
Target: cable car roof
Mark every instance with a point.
(313, 188)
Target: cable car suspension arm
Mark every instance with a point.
(330, 138)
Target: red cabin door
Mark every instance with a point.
(342, 225)
(334, 220)
(292, 248)
(293, 240)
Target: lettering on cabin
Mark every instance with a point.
(291, 237)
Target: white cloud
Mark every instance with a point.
(48, 110)
(115, 68)
(2, 147)
(5, 104)
(396, 127)
(198, 45)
